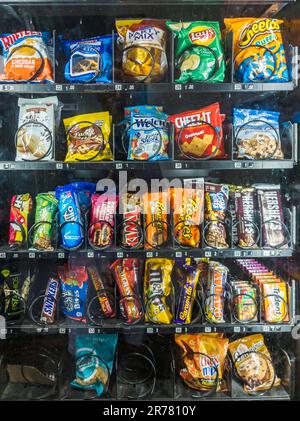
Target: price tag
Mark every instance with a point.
(178, 165)
(62, 331)
(119, 166)
(150, 330)
(149, 254)
(237, 253)
(207, 329)
(266, 253)
(131, 87)
(266, 328)
(120, 254)
(59, 165)
(236, 329)
(178, 254)
(61, 255)
(2, 255)
(178, 87)
(237, 86)
(59, 88)
(91, 330)
(91, 254)
(118, 87)
(237, 165)
(178, 330)
(207, 253)
(31, 255)
(3, 331)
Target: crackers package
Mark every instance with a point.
(143, 43)
(253, 363)
(256, 134)
(198, 52)
(27, 57)
(88, 137)
(203, 357)
(199, 133)
(258, 50)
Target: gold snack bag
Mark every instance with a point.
(88, 137)
(275, 302)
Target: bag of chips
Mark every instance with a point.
(203, 357)
(157, 288)
(256, 134)
(253, 363)
(27, 57)
(258, 50)
(143, 43)
(45, 211)
(95, 356)
(20, 207)
(198, 52)
(199, 133)
(88, 137)
(38, 120)
(89, 60)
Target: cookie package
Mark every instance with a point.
(199, 133)
(198, 51)
(256, 134)
(89, 60)
(28, 57)
(258, 49)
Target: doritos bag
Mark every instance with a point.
(258, 50)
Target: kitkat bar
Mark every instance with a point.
(274, 233)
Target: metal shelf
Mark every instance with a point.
(22, 88)
(142, 254)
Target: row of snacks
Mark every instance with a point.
(147, 133)
(257, 49)
(158, 291)
(112, 366)
(197, 214)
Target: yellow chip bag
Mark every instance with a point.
(259, 54)
(143, 43)
(157, 287)
(253, 363)
(88, 137)
(204, 358)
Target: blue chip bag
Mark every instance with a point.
(84, 192)
(95, 355)
(89, 60)
(74, 287)
(148, 135)
(256, 134)
(70, 220)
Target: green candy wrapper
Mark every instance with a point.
(46, 208)
(198, 51)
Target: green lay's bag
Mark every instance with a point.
(198, 52)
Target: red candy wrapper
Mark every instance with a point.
(197, 139)
(125, 272)
(102, 288)
(131, 233)
(272, 218)
(103, 209)
(20, 208)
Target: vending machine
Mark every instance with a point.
(149, 200)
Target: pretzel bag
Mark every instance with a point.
(198, 53)
(258, 50)
(88, 137)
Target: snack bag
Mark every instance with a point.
(27, 57)
(45, 211)
(35, 138)
(143, 43)
(256, 134)
(215, 287)
(74, 286)
(131, 211)
(70, 221)
(188, 288)
(157, 287)
(101, 228)
(247, 232)
(50, 301)
(253, 363)
(198, 52)
(274, 233)
(84, 191)
(216, 202)
(156, 228)
(148, 135)
(199, 133)
(275, 299)
(104, 291)
(203, 357)
(95, 356)
(258, 50)
(89, 60)
(20, 207)
(125, 273)
(187, 207)
(88, 137)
